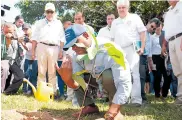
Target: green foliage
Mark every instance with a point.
(149, 9)
(34, 10)
(94, 11)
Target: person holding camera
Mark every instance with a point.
(30, 66)
(12, 60)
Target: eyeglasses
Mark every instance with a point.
(47, 12)
(154, 28)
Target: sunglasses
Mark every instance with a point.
(47, 12)
(154, 28)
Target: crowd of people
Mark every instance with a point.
(150, 58)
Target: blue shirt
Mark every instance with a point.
(148, 45)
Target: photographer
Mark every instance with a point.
(12, 58)
(30, 66)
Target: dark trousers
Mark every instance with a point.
(60, 81)
(158, 73)
(143, 74)
(108, 85)
(17, 81)
(30, 74)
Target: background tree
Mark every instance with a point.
(95, 11)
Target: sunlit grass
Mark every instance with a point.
(63, 110)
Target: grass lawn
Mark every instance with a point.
(20, 107)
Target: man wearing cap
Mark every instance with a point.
(173, 34)
(115, 78)
(105, 31)
(47, 37)
(125, 31)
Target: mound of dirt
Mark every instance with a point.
(36, 115)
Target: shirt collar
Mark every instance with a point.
(109, 28)
(50, 21)
(176, 6)
(126, 17)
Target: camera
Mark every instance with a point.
(3, 8)
(26, 39)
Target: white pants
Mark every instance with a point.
(70, 92)
(133, 59)
(47, 57)
(176, 60)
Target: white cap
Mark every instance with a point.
(123, 2)
(49, 6)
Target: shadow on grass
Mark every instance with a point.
(154, 110)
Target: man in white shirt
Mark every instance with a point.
(173, 34)
(49, 38)
(146, 57)
(125, 31)
(79, 18)
(105, 31)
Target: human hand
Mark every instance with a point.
(20, 39)
(65, 71)
(9, 35)
(113, 113)
(33, 55)
(140, 51)
(164, 52)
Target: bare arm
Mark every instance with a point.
(164, 46)
(34, 44)
(143, 39)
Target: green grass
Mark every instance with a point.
(62, 110)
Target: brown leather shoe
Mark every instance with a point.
(87, 110)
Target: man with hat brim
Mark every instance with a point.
(116, 79)
(47, 37)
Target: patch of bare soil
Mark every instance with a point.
(36, 115)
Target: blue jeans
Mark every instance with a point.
(151, 83)
(174, 84)
(60, 81)
(30, 71)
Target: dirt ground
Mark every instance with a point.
(34, 115)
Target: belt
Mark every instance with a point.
(48, 44)
(174, 37)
